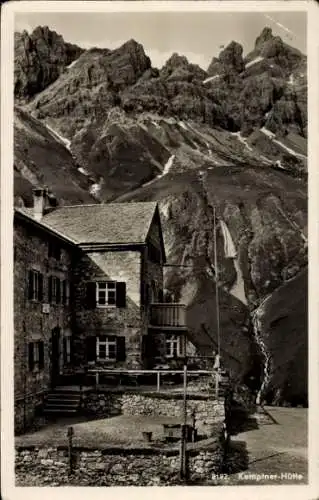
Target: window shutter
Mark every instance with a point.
(58, 290)
(50, 289)
(30, 286)
(143, 293)
(31, 357)
(147, 347)
(63, 292)
(120, 351)
(71, 350)
(41, 355)
(91, 348)
(65, 357)
(120, 294)
(91, 295)
(40, 287)
(71, 298)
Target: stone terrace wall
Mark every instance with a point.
(49, 467)
(209, 412)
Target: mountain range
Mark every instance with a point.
(99, 125)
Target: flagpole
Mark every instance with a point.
(217, 301)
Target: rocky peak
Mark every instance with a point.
(136, 52)
(264, 37)
(232, 56)
(128, 63)
(178, 67)
(230, 60)
(174, 61)
(40, 58)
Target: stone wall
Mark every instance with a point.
(50, 467)
(30, 322)
(122, 266)
(209, 413)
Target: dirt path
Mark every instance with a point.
(279, 450)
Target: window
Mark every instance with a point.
(106, 348)
(54, 290)
(54, 250)
(35, 287)
(173, 346)
(65, 292)
(36, 356)
(106, 293)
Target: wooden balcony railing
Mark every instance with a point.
(168, 315)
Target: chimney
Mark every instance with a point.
(39, 202)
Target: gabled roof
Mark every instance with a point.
(112, 223)
(26, 214)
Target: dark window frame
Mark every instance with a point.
(109, 343)
(55, 292)
(65, 292)
(36, 356)
(173, 348)
(109, 288)
(35, 286)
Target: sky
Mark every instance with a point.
(197, 35)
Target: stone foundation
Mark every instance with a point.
(25, 411)
(209, 413)
(50, 467)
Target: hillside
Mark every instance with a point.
(233, 138)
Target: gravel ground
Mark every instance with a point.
(123, 429)
(279, 450)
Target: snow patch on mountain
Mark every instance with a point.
(238, 288)
(267, 132)
(242, 140)
(291, 80)
(182, 124)
(72, 63)
(278, 164)
(289, 150)
(254, 61)
(168, 165)
(95, 189)
(267, 160)
(66, 142)
(83, 171)
(210, 78)
(166, 169)
(272, 136)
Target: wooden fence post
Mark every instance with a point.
(70, 454)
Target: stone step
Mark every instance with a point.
(60, 402)
(59, 411)
(64, 397)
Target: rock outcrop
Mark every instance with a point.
(39, 59)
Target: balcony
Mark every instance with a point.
(168, 316)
